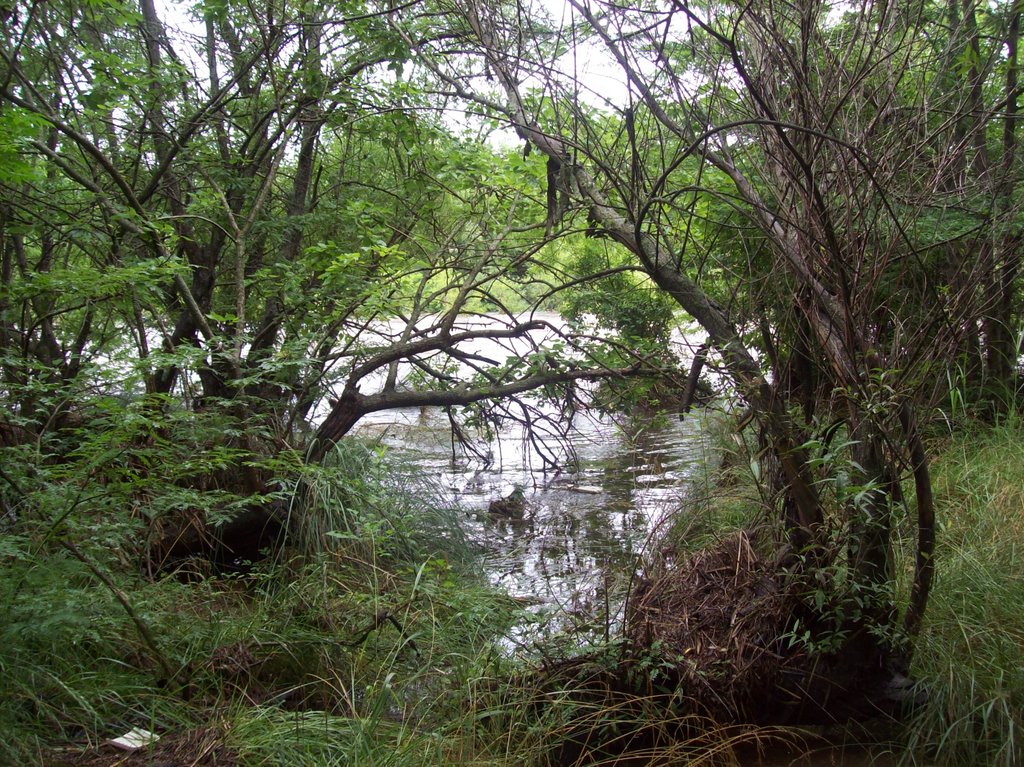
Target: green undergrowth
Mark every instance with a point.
(364, 641)
(970, 655)
(371, 639)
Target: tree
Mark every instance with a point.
(214, 237)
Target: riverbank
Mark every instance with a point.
(377, 643)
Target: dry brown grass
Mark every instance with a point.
(718, 618)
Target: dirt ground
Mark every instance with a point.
(199, 747)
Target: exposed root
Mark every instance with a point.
(710, 652)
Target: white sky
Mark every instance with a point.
(601, 82)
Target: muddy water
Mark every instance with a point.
(585, 527)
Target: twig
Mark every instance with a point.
(383, 616)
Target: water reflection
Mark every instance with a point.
(585, 529)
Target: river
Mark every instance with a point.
(586, 527)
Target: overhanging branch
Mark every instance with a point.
(351, 405)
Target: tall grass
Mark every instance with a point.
(970, 656)
(363, 643)
(370, 641)
(359, 500)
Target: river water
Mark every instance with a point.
(588, 524)
(586, 527)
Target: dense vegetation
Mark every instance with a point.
(226, 239)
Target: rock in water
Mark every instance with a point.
(513, 506)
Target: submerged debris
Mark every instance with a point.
(513, 506)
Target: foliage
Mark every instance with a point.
(622, 301)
